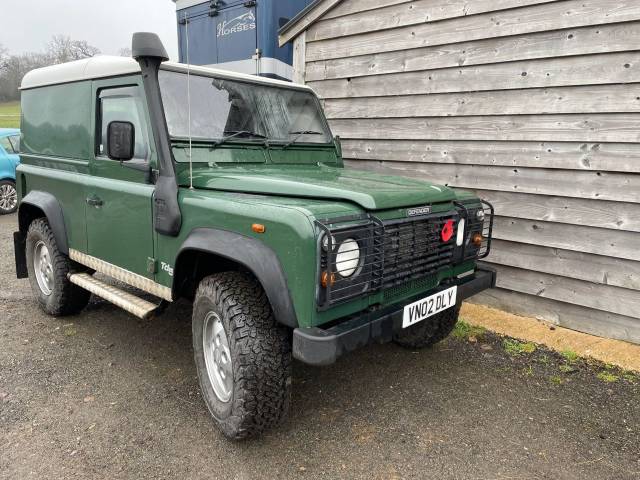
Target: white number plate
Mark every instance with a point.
(417, 311)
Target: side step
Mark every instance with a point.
(132, 304)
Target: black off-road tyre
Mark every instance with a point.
(8, 197)
(64, 298)
(260, 351)
(429, 331)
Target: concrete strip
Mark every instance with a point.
(616, 352)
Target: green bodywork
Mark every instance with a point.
(232, 187)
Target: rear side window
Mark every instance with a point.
(15, 141)
(123, 105)
(6, 144)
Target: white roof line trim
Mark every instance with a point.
(103, 66)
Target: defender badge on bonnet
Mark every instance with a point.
(412, 212)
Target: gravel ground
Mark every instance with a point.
(103, 395)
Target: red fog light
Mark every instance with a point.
(447, 231)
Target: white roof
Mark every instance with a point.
(102, 66)
(180, 4)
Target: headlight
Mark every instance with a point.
(348, 257)
(460, 234)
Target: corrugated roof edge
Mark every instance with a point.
(103, 66)
(303, 20)
(302, 13)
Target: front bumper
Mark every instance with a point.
(318, 346)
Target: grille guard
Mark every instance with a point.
(368, 231)
(396, 252)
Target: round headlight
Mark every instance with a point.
(348, 257)
(480, 214)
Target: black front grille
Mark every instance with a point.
(398, 253)
(393, 253)
(413, 248)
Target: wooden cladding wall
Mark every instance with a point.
(535, 104)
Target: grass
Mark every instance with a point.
(556, 380)
(570, 356)
(10, 114)
(544, 359)
(464, 331)
(528, 371)
(514, 347)
(608, 377)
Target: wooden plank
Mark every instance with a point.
(615, 157)
(617, 187)
(553, 16)
(559, 43)
(575, 211)
(598, 241)
(578, 292)
(303, 23)
(583, 266)
(606, 127)
(575, 317)
(583, 99)
(554, 72)
(398, 15)
(354, 6)
(299, 49)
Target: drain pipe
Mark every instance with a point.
(148, 50)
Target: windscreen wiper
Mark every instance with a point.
(298, 134)
(238, 133)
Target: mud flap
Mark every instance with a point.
(19, 249)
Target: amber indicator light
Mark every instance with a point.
(324, 280)
(258, 228)
(477, 239)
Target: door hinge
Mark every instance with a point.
(250, 3)
(152, 265)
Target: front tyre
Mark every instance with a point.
(8, 197)
(429, 331)
(48, 271)
(243, 357)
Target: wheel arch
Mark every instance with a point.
(38, 204)
(208, 250)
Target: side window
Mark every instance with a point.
(15, 141)
(124, 105)
(6, 144)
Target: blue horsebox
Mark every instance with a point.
(241, 36)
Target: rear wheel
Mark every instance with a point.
(429, 331)
(48, 270)
(243, 357)
(8, 197)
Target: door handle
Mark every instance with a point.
(94, 201)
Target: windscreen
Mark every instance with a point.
(221, 108)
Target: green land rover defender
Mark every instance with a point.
(229, 190)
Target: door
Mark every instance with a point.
(119, 194)
(236, 37)
(219, 33)
(9, 159)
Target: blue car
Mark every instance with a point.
(9, 148)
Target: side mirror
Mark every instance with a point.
(121, 140)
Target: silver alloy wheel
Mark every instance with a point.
(217, 356)
(43, 268)
(8, 197)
